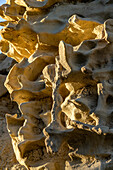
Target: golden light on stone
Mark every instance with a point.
(60, 56)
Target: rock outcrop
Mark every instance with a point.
(62, 81)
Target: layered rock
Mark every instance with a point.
(62, 82)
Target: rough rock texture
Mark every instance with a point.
(62, 83)
(7, 157)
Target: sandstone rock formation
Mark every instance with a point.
(7, 157)
(62, 82)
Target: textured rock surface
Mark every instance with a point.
(7, 157)
(62, 82)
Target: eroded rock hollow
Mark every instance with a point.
(62, 82)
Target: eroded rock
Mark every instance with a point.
(62, 82)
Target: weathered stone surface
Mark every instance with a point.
(7, 157)
(5, 65)
(3, 90)
(62, 83)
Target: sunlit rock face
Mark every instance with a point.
(62, 82)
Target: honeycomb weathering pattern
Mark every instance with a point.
(62, 83)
